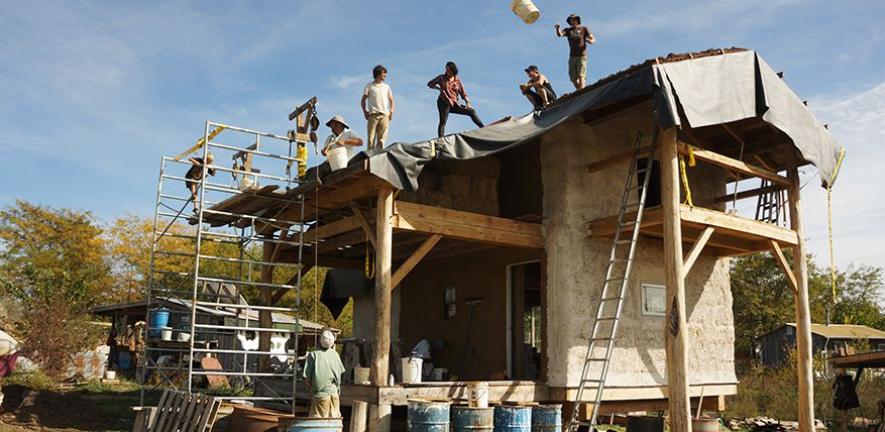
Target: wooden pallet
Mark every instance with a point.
(178, 412)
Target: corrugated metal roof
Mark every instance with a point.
(845, 331)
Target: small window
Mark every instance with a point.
(449, 302)
(654, 300)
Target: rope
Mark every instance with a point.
(830, 222)
(684, 173)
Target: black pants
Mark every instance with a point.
(537, 99)
(444, 109)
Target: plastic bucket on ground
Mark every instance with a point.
(513, 418)
(705, 424)
(468, 419)
(361, 375)
(306, 424)
(525, 10)
(337, 158)
(412, 370)
(159, 319)
(428, 416)
(645, 424)
(547, 418)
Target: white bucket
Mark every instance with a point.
(525, 10)
(110, 375)
(184, 337)
(361, 375)
(166, 334)
(337, 158)
(412, 370)
(479, 394)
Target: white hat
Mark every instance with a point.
(338, 119)
(327, 339)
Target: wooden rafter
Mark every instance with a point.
(413, 260)
(784, 265)
(616, 159)
(696, 250)
(364, 223)
(467, 226)
(732, 164)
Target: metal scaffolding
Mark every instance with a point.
(202, 272)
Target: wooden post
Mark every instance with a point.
(358, 416)
(380, 414)
(676, 334)
(803, 315)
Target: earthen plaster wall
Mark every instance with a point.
(576, 263)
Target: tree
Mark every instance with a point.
(52, 264)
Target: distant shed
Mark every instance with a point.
(775, 344)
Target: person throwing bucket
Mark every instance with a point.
(578, 38)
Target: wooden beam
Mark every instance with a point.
(280, 292)
(361, 219)
(414, 259)
(732, 164)
(616, 159)
(784, 265)
(381, 414)
(332, 229)
(467, 226)
(606, 226)
(740, 195)
(675, 328)
(695, 251)
(754, 229)
(803, 314)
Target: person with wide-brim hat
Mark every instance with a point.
(579, 37)
(342, 136)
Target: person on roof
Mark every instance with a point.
(578, 38)
(195, 174)
(538, 89)
(322, 374)
(450, 89)
(378, 107)
(342, 136)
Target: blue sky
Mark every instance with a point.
(93, 93)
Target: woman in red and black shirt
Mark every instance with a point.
(450, 89)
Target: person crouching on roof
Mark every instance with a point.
(195, 174)
(538, 89)
(322, 374)
(342, 136)
(450, 89)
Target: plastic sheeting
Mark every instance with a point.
(710, 90)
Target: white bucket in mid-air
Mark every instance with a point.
(337, 158)
(525, 10)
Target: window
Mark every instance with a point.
(654, 300)
(449, 302)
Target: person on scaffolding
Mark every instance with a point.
(342, 136)
(322, 375)
(195, 174)
(450, 89)
(538, 89)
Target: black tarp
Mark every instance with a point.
(710, 90)
(342, 284)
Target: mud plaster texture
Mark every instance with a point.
(576, 263)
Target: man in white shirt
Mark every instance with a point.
(378, 107)
(342, 136)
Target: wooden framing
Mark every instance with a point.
(414, 259)
(696, 249)
(784, 265)
(732, 164)
(467, 226)
(380, 414)
(675, 328)
(364, 223)
(618, 158)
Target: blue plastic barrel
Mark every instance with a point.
(428, 416)
(159, 319)
(547, 418)
(467, 419)
(511, 418)
(334, 424)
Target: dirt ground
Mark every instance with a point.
(90, 407)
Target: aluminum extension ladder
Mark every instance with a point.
(617, 276)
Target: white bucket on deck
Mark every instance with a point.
(478, 393)
(166, 334)
(412, 369)
(337, 158)
(361, 375)
(184, 337)
(525, 10)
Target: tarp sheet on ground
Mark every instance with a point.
(710, 90)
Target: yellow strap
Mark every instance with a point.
(370, 268)
(684, 173)
(200, 143)
(830, 222)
